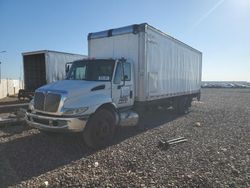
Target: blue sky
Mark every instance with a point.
(218, 28)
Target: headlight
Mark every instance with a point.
(74, 111)
(31, 105)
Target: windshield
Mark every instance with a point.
(94, 70)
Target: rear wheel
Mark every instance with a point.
(182, 105)
(100, 129)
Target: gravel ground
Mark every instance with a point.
(217, 153)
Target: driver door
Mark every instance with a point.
(122, 86)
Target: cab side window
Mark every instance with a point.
(118, 74)
(127, 71)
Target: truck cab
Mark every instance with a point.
(111, 79)
(96, 96)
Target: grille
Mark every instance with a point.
(39, 101)
(47, 102)
(52, 102)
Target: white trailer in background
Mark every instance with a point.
(43, 67)
(129, 69)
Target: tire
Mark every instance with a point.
(100, 129)
(182, 105)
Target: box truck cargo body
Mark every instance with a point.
(164, 67)
(129, 70)
(43, 67)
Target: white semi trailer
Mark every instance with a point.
(129, 69)
(43, 67)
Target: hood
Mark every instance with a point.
(74, 87)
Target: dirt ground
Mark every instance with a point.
(13, 99)
(217, 153)
(11, 104)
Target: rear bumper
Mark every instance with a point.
(56, 124)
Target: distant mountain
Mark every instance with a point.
(225, 84)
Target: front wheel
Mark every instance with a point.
(100, 129)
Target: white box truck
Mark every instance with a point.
(129, 69)
(43, 67)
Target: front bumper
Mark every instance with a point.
(56, 124)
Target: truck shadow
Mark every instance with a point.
(33, 155)
(151, 119)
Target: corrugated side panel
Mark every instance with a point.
(172, 67)
(55, 64)
(116, 47)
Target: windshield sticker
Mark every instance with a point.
(103, 78)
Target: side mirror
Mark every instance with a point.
(67, 67)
